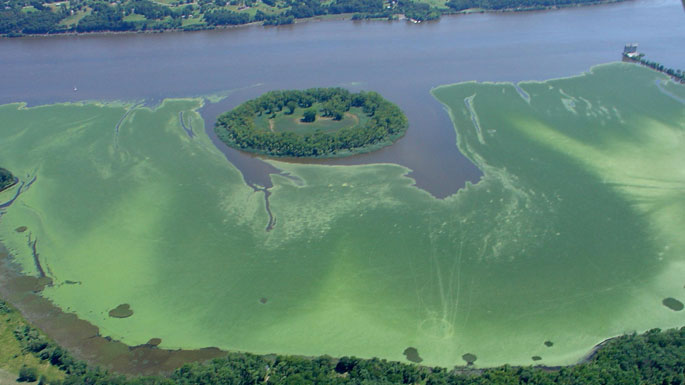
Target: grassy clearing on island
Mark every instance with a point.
(573, 235)
(285, 122)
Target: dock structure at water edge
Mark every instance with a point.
(631, 55)
(630, 50)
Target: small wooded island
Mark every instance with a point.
(318, 122)
(6, 179)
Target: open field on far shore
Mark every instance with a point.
(572, 236)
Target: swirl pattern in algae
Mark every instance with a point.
(571, 236)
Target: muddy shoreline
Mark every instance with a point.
(84, 341)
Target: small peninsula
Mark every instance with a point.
(318, 122)
(6, 179)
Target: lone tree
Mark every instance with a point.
(309, 116)
(292, 105)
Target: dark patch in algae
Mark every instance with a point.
(263, 300)
(154, 341)
(412, 355)
(21, 229)
(536, 358)
(549, 344)
(469, 358)
(121, 311)
(673, 304)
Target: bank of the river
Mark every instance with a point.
(79, 337)
(675, 74)
(85, 342)
(42, 359)
(12, 355)
(392, 15)
(397, 59)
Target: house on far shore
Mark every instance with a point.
(630, 50)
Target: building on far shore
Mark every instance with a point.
(630, 50)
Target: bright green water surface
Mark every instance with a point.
(573, 235)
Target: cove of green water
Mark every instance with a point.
(572, 236)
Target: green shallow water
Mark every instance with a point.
(572, 236)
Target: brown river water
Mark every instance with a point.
(402, 61)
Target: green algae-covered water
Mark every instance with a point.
(573, 235)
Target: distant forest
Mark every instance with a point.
(655, 357)
(6, 179)
(20, 17)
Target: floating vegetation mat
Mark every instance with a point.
(573, 235)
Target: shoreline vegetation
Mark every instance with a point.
(655, 356)
(318, 122)
(639, 58)
(55, 17)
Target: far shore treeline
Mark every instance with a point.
(655, 357)
(6, 179)
(385, 123)
(21, 17)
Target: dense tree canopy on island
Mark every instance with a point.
(19, 17)
(6, 179)
(382, 123)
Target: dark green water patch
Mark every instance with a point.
(549, 344)
(154, 341)
(412, 355)
(121, 311)
(21, 229)
(263, 300)
(470, 358)
(673, 304)
(536, 358)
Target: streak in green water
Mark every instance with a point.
(571, 236)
